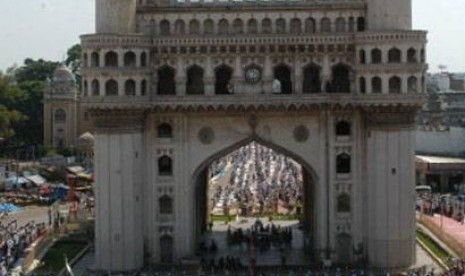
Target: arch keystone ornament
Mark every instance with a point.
(261, 74)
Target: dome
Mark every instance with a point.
(63, 74)
(86, 140)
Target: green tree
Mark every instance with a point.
(35, 70)
(73, 61)
(9, 93)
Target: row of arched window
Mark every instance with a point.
(254, 26)
(112, 88)
(111, 59)
(394, 55)
(395, 85)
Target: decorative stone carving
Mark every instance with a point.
(301, 134)
(206, 135)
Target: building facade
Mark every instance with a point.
(173, 85)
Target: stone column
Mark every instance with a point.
(209, 79)
(119, 157)
(390, 181)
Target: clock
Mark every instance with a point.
(253, 75)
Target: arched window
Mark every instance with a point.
(94, 59)
(111, 59)
(340, 25)
(412, 56)
(223, 27)
(376, 85)
(195, 85)
(362, 55)
(361, 24)
(412, 84)
(179, 27)
(165, 27)
(60, 116)
(325, 25)
(343, 163)
(312, 82)
(280, 26)
(423, 84)
(376, 56)
(143, 87)
(238, 26)
(283, 74)
(363, 85)
(394, 56)
(164, 130)
(95, 88)
(223, 75)
(130, 88)
(340, 79)
(194, 27)
(86, 88)
(266, 26)
(85, 60)
(351, 24)
(165, 166)
(129, 59)
(166, 205)
(310, 26)
(422, 55)
(252, 26)
(296, 26)
(166, 84)
(143, 60)
(343, 203)
(111, 88)
(343, 128)
(395, 85)
(208, 26)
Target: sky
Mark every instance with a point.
(47, 28)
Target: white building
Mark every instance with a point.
(171, 86)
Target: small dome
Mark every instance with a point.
(63, 74)
(86, 140)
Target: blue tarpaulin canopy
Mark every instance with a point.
(8, 207)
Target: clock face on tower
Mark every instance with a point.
(253, 75)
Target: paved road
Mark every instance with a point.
(26, 215)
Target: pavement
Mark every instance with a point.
(450, 226)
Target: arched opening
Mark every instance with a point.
(361, 24)
(166, 83)
(143, 59)
(394, 55)
(95, 86)
(296, 26)
(165, 166)
(340, 79)
(111, 59)
(166, 249)
(111, 88)
(412, 56)
(223, 27)
(143, 87)
(312, 82)
(310, 26)
(362, 85)
(343, 163)
(395, 85)
(343, 203)
(252, 26)
(59, 116)
(130, 88)
(130, 59)
(249, 185)
(209, 26)
(86, 88)
(376, 56)
(195, 85)
(223, 75)
(238, 26)
(325, 25)
(376, 85)
(412, 84)
(194, 27)
(179, 27)
(340, 25)
(165, 204)
(165, 27)
(164, 130)
(266, 26)
(282, 73)
(280, 26)
(95, 59)
(362, 56)
(343, 128)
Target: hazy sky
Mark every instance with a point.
(47, 28)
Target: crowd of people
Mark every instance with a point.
(255, 180)
(14, 241)
(446, 205)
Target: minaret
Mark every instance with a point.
(115, 16)
(388, 15)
